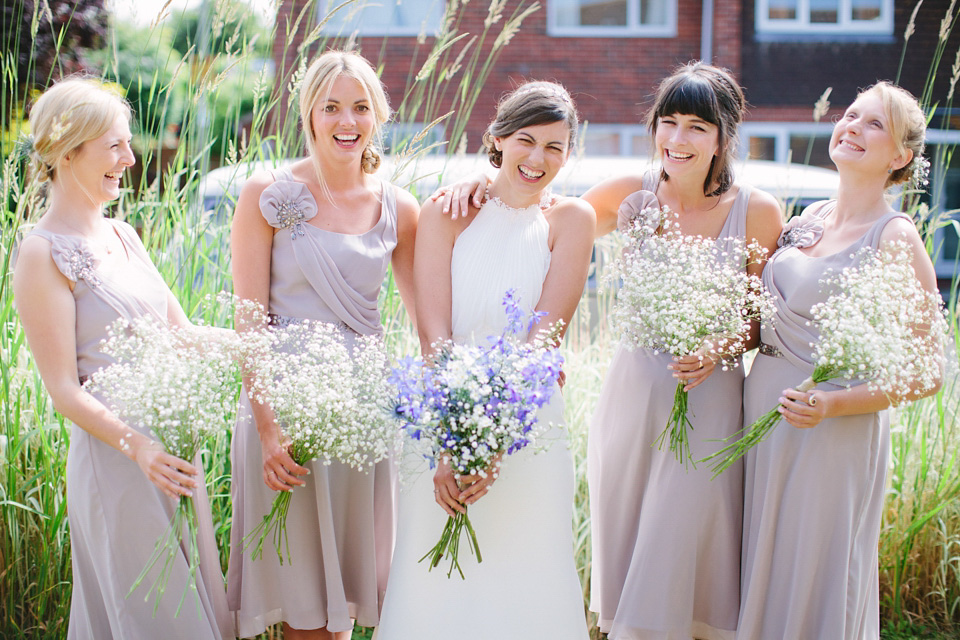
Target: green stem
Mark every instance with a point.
(448, 546)
(677, 425)
(274, 524)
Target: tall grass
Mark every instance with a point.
(920, 542)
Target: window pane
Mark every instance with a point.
(653, 12)
(641, 145)
(576, 13)
(601, 144)
(819, 153)
(824, 11)
(603, 12)
(782, 10)
(865, 10)
(763, 148)
(381, 16)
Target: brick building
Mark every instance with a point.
(612, 53)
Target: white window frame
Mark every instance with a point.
(631, 30)
(802, 25)
(429, 29)
(781, 133)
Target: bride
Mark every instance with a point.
(522, 238)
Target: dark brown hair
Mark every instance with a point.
(528, 105)
(711, 94)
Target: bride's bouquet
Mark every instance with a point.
(332, 401)
(679, 294)
(475, 404)
(879, 326)
(184, 391)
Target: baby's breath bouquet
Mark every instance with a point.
(475, 404)
(332, 401)
(184, 390)
(679, 294)
(880, 326)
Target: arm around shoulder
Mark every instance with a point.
(606, 197)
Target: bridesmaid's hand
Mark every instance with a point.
(477, 485)
(456, 197)
(695, 368)
(446, 491)
(173, 476)
(280, 472)
(804, 409)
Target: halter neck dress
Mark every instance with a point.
(526, 588)
(666, 537)
(341, 523)
(813, 497)
(116, 514)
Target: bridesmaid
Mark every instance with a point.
(814, 493)
(76, 273)
(666, 538)
(313, 241)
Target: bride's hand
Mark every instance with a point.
(446, 491)
(456, 197)
(477, 485)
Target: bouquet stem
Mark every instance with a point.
(274, 524)
(449, 544)
(677, 425)
(754, 434)
(166, 552)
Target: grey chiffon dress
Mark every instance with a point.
(341, 523)
(116, 514)
(666, 537)
(813, 497)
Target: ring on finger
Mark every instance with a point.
(812, 400)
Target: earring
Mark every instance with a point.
(889, 170)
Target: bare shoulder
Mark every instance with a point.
(764, 210)
(573, 213)
(900, 229)
(255, 185)
(407, 205)
(35, 268)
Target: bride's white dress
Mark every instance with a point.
(526, 587)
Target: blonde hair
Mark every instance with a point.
(68, 114)
(316, 85)
(908, 125)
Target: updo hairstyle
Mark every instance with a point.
(528, 105)
(908, 126)
(316, 85)
(65, 116)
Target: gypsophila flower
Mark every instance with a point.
(476, 404)
(329, 395)
(183, 392)
(680, 294)
(879, 327)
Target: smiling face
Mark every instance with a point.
(342, 120)
(97, 166)
(532, 156)
(862, 139)
(686, 145)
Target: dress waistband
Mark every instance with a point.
(282, 322)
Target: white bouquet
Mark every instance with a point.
(184, 391)
(679, 294)
(332, 402)
(880, 326)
